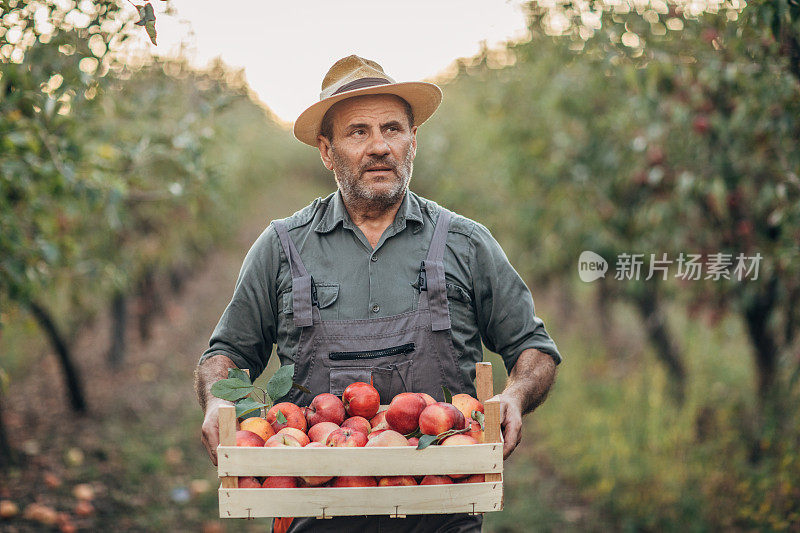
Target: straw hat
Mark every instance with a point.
(356, 76)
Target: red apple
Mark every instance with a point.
(279, 440)
(314, 444)
(259, 426)
(436, 480)
(379, 422)
(301, 437)
(316, 481)
(466, 404)
(474, 478)
(294, 417)
(249, 482)
(361, 399)
(404, 410)
(373, 434)
(358, 423)
(354, 481)
(387, 438)
(346, 438)
(429, 400)
(413, 441)
(475, 431)
(458, 440)
(325, 407)
(248, 438)
(319, 432)
(396, 481)
(280, 482)
(440, 417)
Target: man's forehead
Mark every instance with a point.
(376, 106)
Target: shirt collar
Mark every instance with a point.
(336, 213)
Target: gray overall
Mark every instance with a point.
(409, 352)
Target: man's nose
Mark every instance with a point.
(378, 145)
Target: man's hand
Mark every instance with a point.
(510, 422)
(528, 384)
(210, 435)
(212, 370)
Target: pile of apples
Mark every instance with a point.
(356, 420)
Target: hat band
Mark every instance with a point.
(360, 84)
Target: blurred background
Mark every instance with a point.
(134, 177)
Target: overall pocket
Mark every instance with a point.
(388, 369)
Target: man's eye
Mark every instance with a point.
(358, 132)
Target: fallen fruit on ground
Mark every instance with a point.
(248, 438)
(361, 399)
(259, 426)
(403, 412)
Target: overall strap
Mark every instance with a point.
(301, 280)
(434, 273)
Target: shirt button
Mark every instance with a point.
(376, 308)
(374, 258)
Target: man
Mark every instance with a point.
(376, 283)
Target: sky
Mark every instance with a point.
(286, 47)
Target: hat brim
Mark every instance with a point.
(424, 98)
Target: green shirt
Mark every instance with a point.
(488, 300)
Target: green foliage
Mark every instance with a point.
(231, 389)
(281, 382)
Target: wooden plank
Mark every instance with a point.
(227, 437)
(483, 381)
(492, 430)
(378, 461)
(349, 501)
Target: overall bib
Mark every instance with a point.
(408, 352)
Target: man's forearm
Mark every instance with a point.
(530, 379)
(205, 375)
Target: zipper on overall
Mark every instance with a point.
(370, 354)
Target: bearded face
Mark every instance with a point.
(378, 183)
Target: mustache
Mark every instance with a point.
(387, 162)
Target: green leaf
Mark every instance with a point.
(425, 441)
(280, 383)
(300, 388)
(231, 389)
(239, 374)
(280, 417)
(448, 397)
(477, 415)
(150, 28)
(247, 405)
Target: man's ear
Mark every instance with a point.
(325, 154)
(414, 140)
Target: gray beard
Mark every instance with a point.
(360, 197)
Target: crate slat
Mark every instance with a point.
(354, 501)
(377, 461)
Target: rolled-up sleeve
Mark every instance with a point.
(504, 306)
(247, 329)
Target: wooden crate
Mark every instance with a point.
(326, 502)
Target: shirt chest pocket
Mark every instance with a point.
(327, 293)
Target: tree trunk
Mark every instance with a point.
(71, 377)
(7, 456)
(758, 311)
(150, 304)
(119, 323)
(666, 346)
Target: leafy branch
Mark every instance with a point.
(239, 389)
